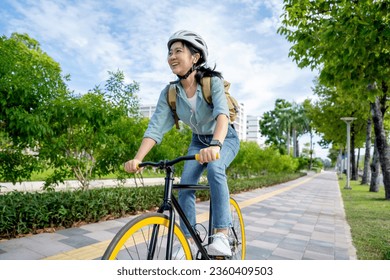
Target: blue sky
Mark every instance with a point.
(91, 37)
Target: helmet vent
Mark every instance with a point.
(199, 41)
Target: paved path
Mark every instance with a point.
(74, 184)
(300, 220)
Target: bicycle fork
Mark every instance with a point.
(166, 206)
(153, 240)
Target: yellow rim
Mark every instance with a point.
(153, 220)
(242, 228)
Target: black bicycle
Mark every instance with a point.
(153, 236)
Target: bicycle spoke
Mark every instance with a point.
(135, 241)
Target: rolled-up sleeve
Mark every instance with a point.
(162, 120)
(220, 105)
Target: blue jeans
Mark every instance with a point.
(216, 176)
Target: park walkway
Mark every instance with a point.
(302, 219)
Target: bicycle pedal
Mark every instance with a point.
(220, 258)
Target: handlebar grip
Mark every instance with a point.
(197, 156)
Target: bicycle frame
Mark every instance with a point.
(171, 204)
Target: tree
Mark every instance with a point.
(308, 123)
(30, 81)
(348, 41)
(94, 133)
(286, 120)
(300, 124)
(326, 114)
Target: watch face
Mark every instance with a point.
(215, 143)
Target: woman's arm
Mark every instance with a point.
(221, 128)
(210, 153)
(146, 145)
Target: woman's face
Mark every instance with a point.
(180, 58)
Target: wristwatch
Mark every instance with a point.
(215, 143)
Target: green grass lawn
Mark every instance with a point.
(368, 215)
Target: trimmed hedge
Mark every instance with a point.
(32, 212)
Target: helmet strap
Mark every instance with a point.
(188, 73)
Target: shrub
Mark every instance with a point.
(24, 213)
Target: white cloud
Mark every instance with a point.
(89, 38)
(76, 35)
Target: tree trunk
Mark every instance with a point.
(311, 151)
(288, 139)
(375, 170)
(367, 156)
(339, 163)
(357, 164)
(294, 135)
(353, 173)
(378, 109)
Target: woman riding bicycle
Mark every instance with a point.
(212, 133)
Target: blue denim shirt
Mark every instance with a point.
(201, 121)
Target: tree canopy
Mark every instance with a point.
(29, 81)
(348, 42)
(286, 121)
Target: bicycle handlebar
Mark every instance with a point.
(164, 163)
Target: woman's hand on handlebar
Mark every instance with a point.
(131, 166)
(209, 154)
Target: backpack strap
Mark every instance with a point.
(171, 99)
(232, 103)
(206, 89)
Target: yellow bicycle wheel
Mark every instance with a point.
(236, 233)
(133, 241)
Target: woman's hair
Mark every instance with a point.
(206, 72)
(200, 66)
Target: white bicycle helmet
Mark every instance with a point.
(192, 38)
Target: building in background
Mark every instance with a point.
(253, 130)
(240, 122)
(147, 110)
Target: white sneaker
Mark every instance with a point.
(220, 246)
(179, 253)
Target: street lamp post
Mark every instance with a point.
(348, 121)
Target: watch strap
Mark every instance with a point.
(215, 143)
